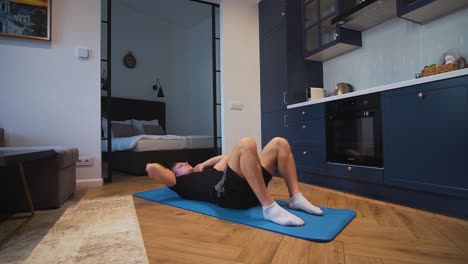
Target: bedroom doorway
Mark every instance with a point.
(165, 55)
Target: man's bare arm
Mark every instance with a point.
(208, 163)
(161, 174)
(221, 165)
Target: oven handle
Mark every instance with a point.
(355, 114)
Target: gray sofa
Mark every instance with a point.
(51, 181)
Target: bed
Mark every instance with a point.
(163, 149)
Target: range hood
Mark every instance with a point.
(367, 14)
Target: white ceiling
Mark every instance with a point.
(184, 13)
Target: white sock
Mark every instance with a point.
(299, 202)
(277, 214)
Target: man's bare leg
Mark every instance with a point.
(277, 155)
(245, 162)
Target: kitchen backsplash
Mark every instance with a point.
(397, 50)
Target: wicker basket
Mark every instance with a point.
(439, 69)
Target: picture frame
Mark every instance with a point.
(26, 19)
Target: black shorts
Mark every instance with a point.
(234, 192)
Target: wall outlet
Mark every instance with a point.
(85, 161)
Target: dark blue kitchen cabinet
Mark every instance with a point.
(284, 74)
(273, 71)
(322, 39)
(423, 11)
(272, 13)
(306, 127)
(425, 140)
(353, 172)
(274, 124)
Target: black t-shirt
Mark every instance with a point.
(198, 185)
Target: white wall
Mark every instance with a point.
(240, 70)
(47, 95)
(397, 50)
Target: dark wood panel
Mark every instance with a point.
(124, 108)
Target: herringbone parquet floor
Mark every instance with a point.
(381, 233)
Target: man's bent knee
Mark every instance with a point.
(247, 143)
(280, 142)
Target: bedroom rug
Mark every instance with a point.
(317, 228)
(98, 230)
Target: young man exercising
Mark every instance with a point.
(240, 180)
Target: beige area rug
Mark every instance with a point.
(98, 230)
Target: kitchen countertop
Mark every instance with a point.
(437, 77)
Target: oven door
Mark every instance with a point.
(355, 137)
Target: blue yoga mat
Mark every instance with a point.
(317, 228)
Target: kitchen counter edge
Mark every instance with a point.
(386, 87)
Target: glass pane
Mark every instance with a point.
(218, 120)
(327, 31)
(104, 74)
(220, 146)
(218, 87)
(311, 13)
(327, 7)
(103, 10)
(311, 37)
(217, 33)
(218, 54)
(103, 41)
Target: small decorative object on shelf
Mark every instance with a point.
(129, 60)
(451, 61)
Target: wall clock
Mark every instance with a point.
(129, 60)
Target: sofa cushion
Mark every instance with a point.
(65, 156)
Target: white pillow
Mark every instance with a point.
(138, 125)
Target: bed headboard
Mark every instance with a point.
(123, 109)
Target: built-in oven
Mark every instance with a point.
(354, 131)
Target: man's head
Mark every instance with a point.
(181, 168)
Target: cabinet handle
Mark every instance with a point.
(285, 97)
(420, 96)
(349, 169)
(336, 35)
(304, 153)
(304, 126)
(304, 113)
(285, 120)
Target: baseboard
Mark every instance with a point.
(89, 183)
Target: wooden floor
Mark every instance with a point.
(381, 232)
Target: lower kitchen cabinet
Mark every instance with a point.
(353, 172)
(274, 124)
(425, 137)
(306, 127)
(309, 158)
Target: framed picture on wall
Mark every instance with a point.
(25, 18)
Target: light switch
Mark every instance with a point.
(237, 106)
(82, 53)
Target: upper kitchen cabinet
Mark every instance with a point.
(366, 14)
(322, 39)
(271, 14)
(284, 74)
(424, 11)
